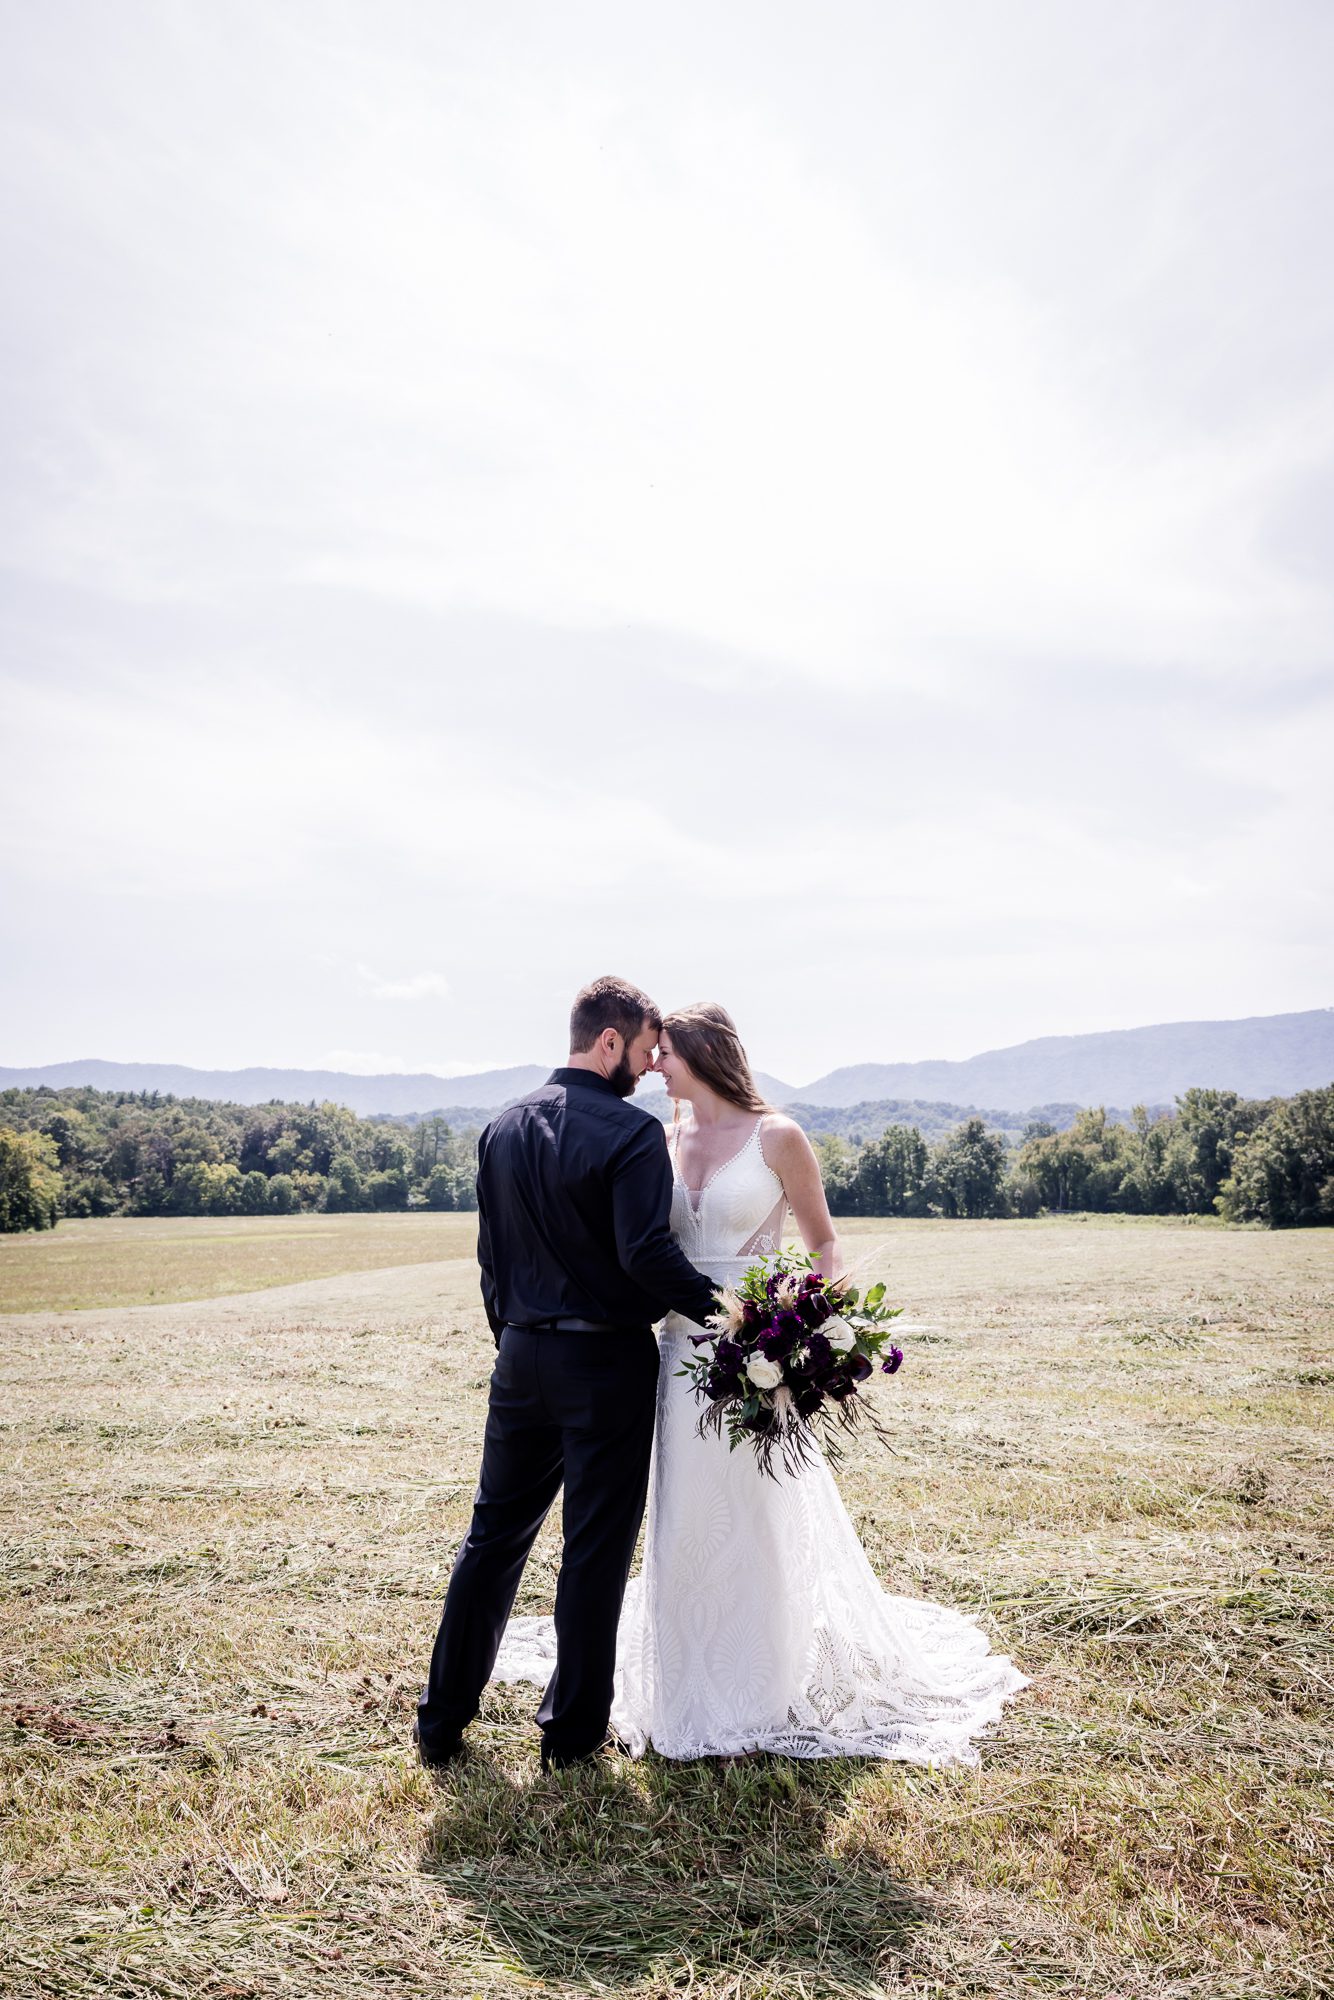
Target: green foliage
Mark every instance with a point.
(282, 1194)
(967, 1176)
(346, 1186)
(30, 1183)
(1284, 1170)
(388, 1189)
(1078, 1169)
(1252, 1160)
(90, 1195)
(85, 1152)
(448, 1187)
(127, 1153)
(887, 1177)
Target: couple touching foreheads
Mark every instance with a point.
(757, 1623)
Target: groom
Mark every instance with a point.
(574, 1191)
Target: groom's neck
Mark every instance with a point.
(592, 1062)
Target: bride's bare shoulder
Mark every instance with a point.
(783, 1138)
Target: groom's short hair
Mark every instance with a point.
(609, 1003)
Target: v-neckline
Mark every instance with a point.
(696, 1195)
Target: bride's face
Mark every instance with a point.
(673, 1069)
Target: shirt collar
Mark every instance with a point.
(588, 1077)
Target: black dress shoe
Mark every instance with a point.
(437, 1757)
(561, 1760)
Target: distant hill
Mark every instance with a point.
(859, 1122)
(362, 1094)
(467, 1099)
(854, 1122)
(1268, 1055)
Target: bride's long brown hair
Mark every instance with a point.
(705, 1038)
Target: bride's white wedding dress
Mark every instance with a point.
(757, 1622)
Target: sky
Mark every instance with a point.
(828, 509)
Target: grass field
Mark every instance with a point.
(167, 1260)
(228, 1524)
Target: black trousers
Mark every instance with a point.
(571, 1408)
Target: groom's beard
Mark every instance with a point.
(622, 1079)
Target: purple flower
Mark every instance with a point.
(895, 1361)
(779, 1340)
(858, 1367)
(816, 1309)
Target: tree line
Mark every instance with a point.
(85, 1152)
(1268, 1160)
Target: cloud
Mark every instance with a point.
(420, 986)
(836, 527)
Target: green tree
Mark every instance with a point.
(207, 1187)
(891, 1174)
(30, 1183)
(448, 1187)
(389, 1189)
(1283, 1173)
(346, 1188)
(311, 1191)
(1079, 1169)
(1148, 1184)
(390, 1152)
(1210, 1127)
(91, 1194)
(838, 1170)
(68, 1128)
(150, 1194)
(430, 1146)
(967, 1172)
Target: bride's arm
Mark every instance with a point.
(791, 1155)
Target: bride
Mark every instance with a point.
(757, 1623)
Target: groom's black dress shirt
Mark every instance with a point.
(574, 1196)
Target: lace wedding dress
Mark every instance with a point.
(757, 1623)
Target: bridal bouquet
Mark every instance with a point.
(788, 1354)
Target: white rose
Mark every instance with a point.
(843, 1338)
(765, 1374)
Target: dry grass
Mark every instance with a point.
(166, 1260)
(228, 1525)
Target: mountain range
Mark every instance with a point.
(1265, 1055)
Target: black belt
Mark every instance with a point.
(571, 1326)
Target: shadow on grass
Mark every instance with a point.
(627, 1871)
